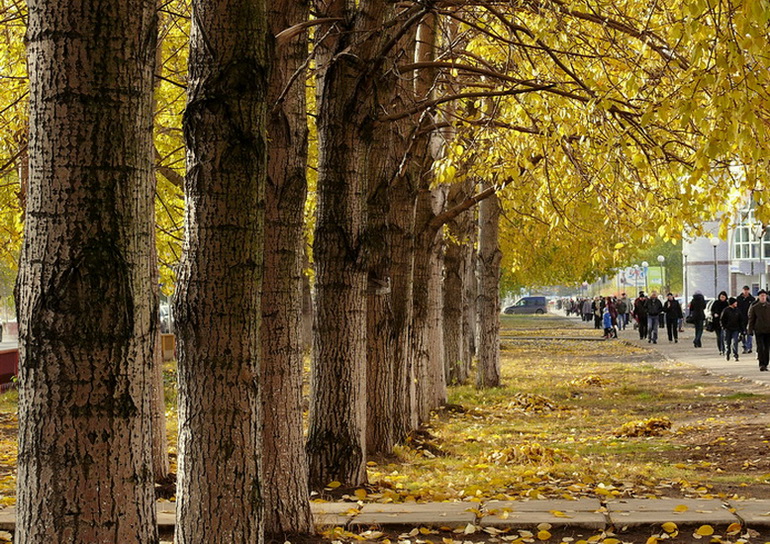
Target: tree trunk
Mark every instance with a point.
(336, 435)
(426, 347)
(403, 199)
(470, 294)
(435, 330)
(455, 276)
(336, 443)
(489, 297)
(218, 294)
(160, 462)
(379, 310)
(85, 304)
(284, 464)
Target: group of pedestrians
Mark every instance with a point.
(650, 313)
(735, 321)
(739, 321)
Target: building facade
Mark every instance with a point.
(712, 265)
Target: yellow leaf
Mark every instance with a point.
(681, 508)
(734, 528)
(652, 540)
(360, 494)
(669, 526)
(611, 541)
(334, 485)
(559, 514)
(469, 529)
(543, 535)
(705, 530)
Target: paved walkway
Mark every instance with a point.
(589, 514)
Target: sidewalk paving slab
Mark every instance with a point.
(636, 512)
(755, 513)
(559, 513)
(436, 514)
(333, 514)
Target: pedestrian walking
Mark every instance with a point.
(716, 314)
(640, 314)
(673, 311)
(622, 307)
(759, 326)
(698, 316)
(654, 309)
(732, 325)
(745, 300)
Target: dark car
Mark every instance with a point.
(528, 305)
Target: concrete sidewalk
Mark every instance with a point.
(589, 514)
(706, 357)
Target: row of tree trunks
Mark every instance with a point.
(219, 278)
(284, 464)
(85, 469)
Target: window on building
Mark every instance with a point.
(745, 242)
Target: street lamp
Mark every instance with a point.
(636, 279)
(714, 243)
(760, 234)
(645, 265)
(661, 260)
(684, 257)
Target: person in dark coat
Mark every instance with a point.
(673, 311)
(732, 326)
(716, 313)
(640, 314)
(759, 326)
(698, 315)
(654, 308)
(745, 300)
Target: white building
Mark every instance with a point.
(712, 265)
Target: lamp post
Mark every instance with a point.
(636, 279)
(714, 243)
(684, 257)
(760, 234)
(645, 266)
(661, 260)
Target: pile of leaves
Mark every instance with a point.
(593, 380)
(530, 402)
(654, 426)
(527, 454)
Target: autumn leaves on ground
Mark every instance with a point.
(575, 419)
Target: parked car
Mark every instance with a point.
(528, 305)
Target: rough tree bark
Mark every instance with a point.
(84, 299)
(218, 302)
(489, 297)
(284, 464)
(427, 345)
(470, 294)
(458, 245)
(348, 57)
